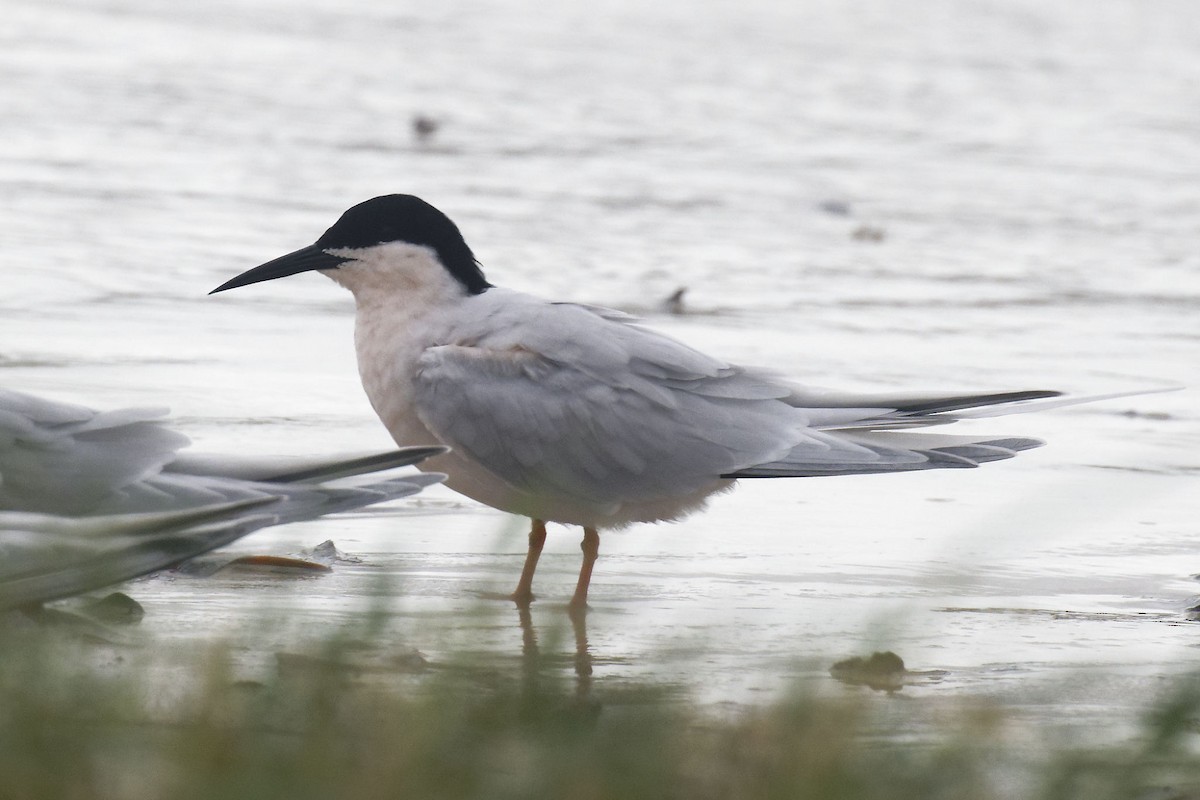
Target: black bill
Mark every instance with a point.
(302, 260)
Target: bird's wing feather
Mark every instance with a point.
(286, 469)
(556, 399)
(297, 501)
(876, 422)
(45, 557)
(65, 458)
(880, 421)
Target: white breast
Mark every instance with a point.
(406, 302)
(388, 346)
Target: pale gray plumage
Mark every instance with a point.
(91, 498)
(67, 459)
(576, 414)
(572, 400)
(45, 557)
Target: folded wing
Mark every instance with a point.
(66, 459)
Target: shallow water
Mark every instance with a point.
(1033, 172)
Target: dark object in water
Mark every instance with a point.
(838, 208)
(424, 127)
(868, 233)
(117, 608)
(674, 303)
(276, 565)
(883, 672)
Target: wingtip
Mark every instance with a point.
(378, 462)
(944, 405)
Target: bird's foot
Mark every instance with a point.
(521, 600)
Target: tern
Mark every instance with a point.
(577, 414)
(70, 460)
(46, 557)
(89, 498)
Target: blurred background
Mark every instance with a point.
(934, 195)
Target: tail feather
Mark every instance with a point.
(895, 452)
(865, 433)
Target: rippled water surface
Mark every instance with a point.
(952, 195)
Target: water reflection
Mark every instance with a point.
(533, 663)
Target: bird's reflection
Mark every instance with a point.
(583, 656)
(533, 663)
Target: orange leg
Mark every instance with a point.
(523, 596)
(591, 549)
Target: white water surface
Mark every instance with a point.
(1032, 173)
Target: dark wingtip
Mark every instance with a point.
(962, 402)
(401, 457)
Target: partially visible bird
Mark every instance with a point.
(108, 496)
(66, 459)
(46, 557)
(674, 304)
(577, 414)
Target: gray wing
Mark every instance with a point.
(567, 399)
(296, 501)
(100, 472)
(66, 459)
(278, 469)
(45, 557)
(557, 399)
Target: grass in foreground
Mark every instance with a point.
(80, 721)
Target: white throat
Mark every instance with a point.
(402, 293)
(395, 273)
